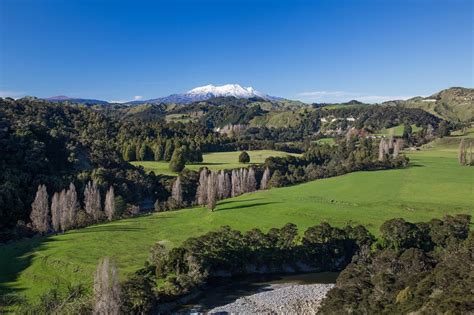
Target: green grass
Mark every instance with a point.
(433, 185)
(397, 130)
(214, 161)
(326, 141)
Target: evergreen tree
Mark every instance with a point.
(177, 162)
(407, 131)
(158, 152)
(144, 154)
(39, 216)
(129, 153)
(244, 157)
(169, 149)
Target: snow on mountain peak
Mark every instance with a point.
(226, 90)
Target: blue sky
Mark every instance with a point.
(309, 50)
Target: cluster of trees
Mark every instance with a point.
(322, 161)
(162, 151)
(227, 252)
(213, 186)
(65, 211)
(206, 187)
(56, 144)
(465, 155)
(423, 268)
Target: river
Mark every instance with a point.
(225, 291)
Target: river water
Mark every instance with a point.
(225, 291)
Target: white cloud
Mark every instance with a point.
(135, 98)
(342, 96)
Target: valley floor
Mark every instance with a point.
(433, 185)
(214, 161)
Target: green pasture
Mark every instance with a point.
(432, 186)
(213, 161)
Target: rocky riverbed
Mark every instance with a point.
(279, 299)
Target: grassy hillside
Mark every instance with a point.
(214, 161)
(432, 186)
(455, 104)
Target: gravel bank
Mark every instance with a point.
(291, 299)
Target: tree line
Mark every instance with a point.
(65, 212)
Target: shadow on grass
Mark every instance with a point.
(108, 229)
(15, 258)
(234, 201)
(255, 204)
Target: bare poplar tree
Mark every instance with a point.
(72, 205)
(265, 179)
(39, 216)
(470, 154)
(382, 146)
(462, 152)
(64, 215)
(224, 185)
(177, 191)
(106, 289)
(251, 181)
(92, 201)
(202, 188)
(235, 183)
(244, 180)
(227, 185)
(390, 142)
(397, 147)
(109, 207)
(55, 212)
(212, 191)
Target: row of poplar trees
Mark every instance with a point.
(63, 212)
(219, 185)
(465, 155)
(391, 145)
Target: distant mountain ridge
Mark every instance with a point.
(203, 93)
(86, 101)
(454, 104)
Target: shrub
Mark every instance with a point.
(244, 157)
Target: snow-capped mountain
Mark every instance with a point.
(206, 92)
(234, 90)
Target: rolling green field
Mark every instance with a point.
(432, 186)
(213, 161)
(397, 130)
